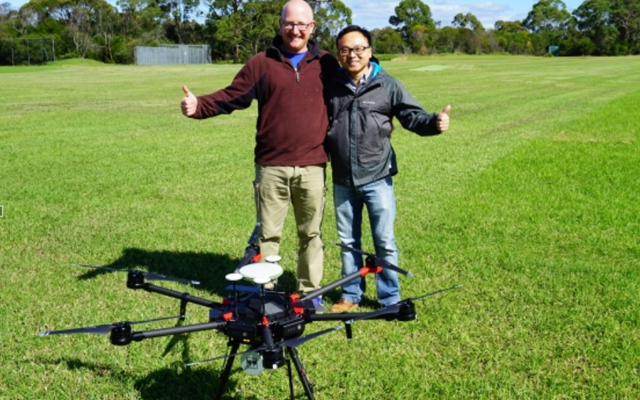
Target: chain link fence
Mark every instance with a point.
(173, 54)
(27, 51)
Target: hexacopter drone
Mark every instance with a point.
(267, 320)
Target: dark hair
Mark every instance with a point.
(355, 28)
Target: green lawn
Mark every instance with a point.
(531, 201)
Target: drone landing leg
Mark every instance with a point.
(224, 378)
(293, 353)
(290, 377)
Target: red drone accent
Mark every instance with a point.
(369, 270)
(295, 300)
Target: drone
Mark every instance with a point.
(259, 315)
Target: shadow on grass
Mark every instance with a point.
(166, 383)
(208, 268)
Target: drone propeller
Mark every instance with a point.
(436, 292)
(378, 260)
(395, 308)
(295, 342)
(148, 275)
(102, 329)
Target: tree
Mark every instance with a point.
(330, 16)
(625, 16)
(11, 22)
(142, 21)
(513, 37)
(178, 14)
(469, 33)
(508, 26)
(421, 40)
(593, 22)
(387, 41)
(446, 40)
(223, 8)
(410, 14)
(468, 21)
(241, 29)
(77, 16)
(547, 16)
(549, 19)
(244, 32)
(5, 8)
(107, 22)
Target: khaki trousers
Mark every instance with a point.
(304, 187)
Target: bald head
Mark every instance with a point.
(297, 7)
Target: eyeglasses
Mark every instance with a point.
(288, 26)
(358, 50)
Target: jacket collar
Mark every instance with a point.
(313, 49)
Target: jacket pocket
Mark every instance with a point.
(372, 138)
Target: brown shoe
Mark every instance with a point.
(343, 305)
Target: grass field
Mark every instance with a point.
(531, 201)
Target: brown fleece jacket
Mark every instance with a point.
(292, 116)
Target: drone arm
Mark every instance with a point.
(176, 330)
(251, 253)
(267, 337)
(402, 311)
(253, 240)
(359, 273)
(185, 297)
(344, 317)
(373, 260)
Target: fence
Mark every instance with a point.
(27, 51)
(176, 54)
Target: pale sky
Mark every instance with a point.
(373, 14)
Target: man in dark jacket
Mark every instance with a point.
(363, 100)
(287, 81)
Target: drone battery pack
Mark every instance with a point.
(245, 331)
(291, 327)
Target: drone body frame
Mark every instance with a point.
(270, 322)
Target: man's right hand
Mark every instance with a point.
(189, 102)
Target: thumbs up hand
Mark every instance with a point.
(442, 121)
(189, 102)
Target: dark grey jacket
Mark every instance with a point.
(360, 125)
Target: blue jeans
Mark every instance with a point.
(380, 201)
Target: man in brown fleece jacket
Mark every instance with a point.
(287, 80)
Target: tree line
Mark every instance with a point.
(238, 29)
